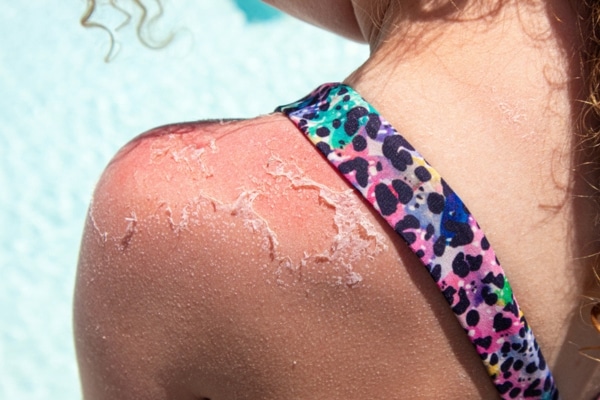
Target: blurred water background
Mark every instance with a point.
(64, 112)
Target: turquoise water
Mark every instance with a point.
(64, 112)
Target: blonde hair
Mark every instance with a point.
(144, 21)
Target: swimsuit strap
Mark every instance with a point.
(412, 197)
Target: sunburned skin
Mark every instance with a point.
(205, 276)
(355, 237)
(228, 260)
(280, 283)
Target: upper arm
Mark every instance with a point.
(143, 301)
(127, 324)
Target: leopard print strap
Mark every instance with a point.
(412, 197)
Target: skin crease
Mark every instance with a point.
(215, 263)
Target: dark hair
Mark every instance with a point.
(590, 124)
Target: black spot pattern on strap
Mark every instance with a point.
(501, 323)
(532, 390)
(439, 247)
(393, 149)
(405, 192)
(473, 318)
(359, 143)
(432, 219)
(361, 167)
(489, 296)
(497, 281)
(485, 342)
(463, 302)
(323, 131)
(373, 125)
(436, 203)
(324, 148)
(422, 174)
(352, 125)
(436, 272)
(460, 266)
(408, 222)
(449, 293)
(387, 202)
(462, 233)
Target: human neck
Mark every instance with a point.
(509, 62)
(475, 62)
(491, 99)
(465, 38)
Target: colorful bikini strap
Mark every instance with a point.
(412, 197)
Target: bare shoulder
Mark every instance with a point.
(227, 260)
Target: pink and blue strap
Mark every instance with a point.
(412, 197)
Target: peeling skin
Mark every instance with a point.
(129, 232)
(356, 237)
(355, 241)
(213, 145)
(189, 156)
(242, 207)
(189, 272)
(102, 234)
(121, 242)
(191, 214)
